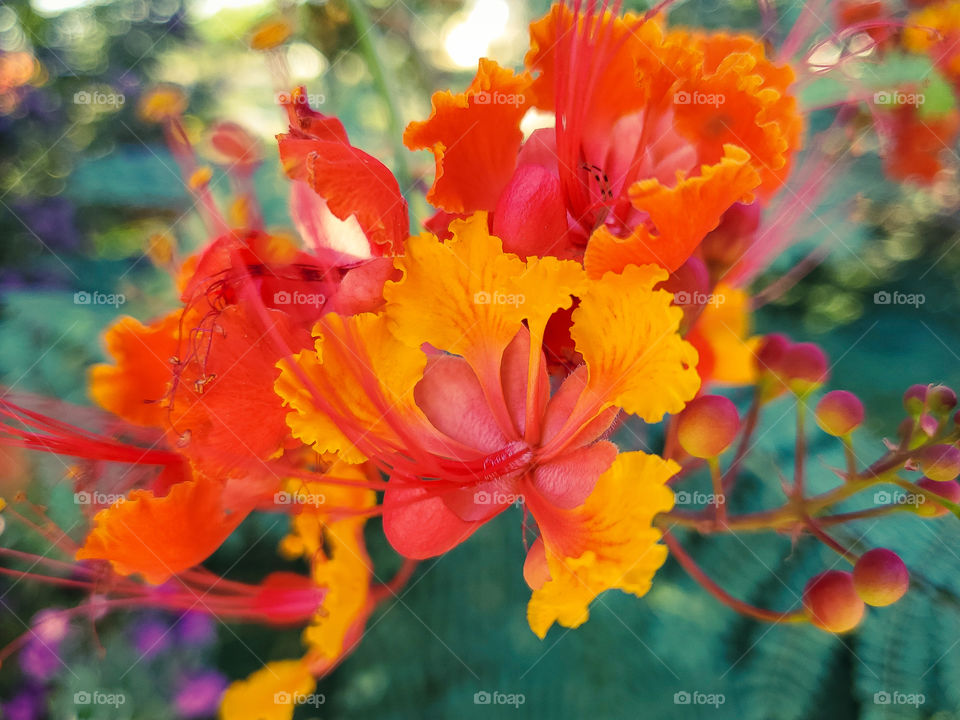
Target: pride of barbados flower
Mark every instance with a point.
(446, 390)
(656, 134)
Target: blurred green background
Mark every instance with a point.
(82, 186)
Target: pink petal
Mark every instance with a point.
(567, 481)
(451, 397)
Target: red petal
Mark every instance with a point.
(420, 525)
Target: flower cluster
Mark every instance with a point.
(577, 281)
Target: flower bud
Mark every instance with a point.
(831, 601)
(707, 426)
(940, 462)
(941, 399)
(839, 413)
(915, 399)
(880, 577)
(949, 490)
(771, 351)
(804, 368)
(531, 217)
(768, 358)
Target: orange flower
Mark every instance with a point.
(469, 426)
(205, 373)
(656, 134)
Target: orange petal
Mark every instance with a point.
(136, 384)
(623, 48)
(752, 107)
(682, 216)
(224, 413)
(608, 542)
(159, 537)
(474, 137)
(627, 334)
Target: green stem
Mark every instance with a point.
(366, 31)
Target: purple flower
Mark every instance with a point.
(40, 660)
(199, 695)
(196, 629)
(151, 636)
(25, 705)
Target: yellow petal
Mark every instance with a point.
(458, 295)
(346, 574)
(627, 334)
(547, 286)
(724, 325)
(268, 694)
(468, 297)
(364, 371)
(608, 542)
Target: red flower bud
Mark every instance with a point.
(839, 413)
(880, 577)
(707, 426)
(941, 399)
(831, 601)
(949, 490)
(804, 367)
(771, 352)
(940, 462)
